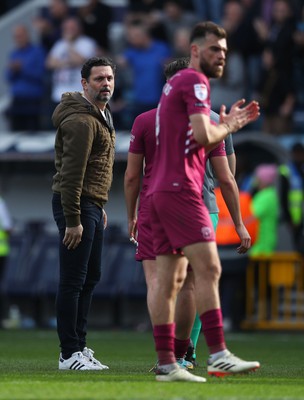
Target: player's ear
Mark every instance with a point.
(194, 48)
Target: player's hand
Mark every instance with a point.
(72, 237)
(239, 116)
(132, 229)
(245, 239)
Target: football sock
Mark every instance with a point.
(164, 343)
(212, 326)
(181, 347)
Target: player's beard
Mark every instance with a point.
(211, 71)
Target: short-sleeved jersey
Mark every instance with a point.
(143, 141)
(180, 160)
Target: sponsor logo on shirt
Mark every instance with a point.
(200, 91)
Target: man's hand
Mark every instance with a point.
(239, 116)
(245, 239)
(105, 219)
(132, 228)
(72, 237)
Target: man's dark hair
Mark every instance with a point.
(173, 67)
(202, 29)
(96, 62)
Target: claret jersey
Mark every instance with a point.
(179, 160)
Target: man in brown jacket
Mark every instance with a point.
(84, 157)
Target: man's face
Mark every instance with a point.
(99, 87)
(212, 56)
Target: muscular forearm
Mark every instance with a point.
(230, 194)
(131, 189)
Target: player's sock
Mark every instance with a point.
(196, 330)
(213, 357)
(212, 325)
(181, 347)
(164, 343)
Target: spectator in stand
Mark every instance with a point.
(265, 207)
(48, 22)
(25, 76)
(175, 16)
(96, 18)
(292, 194)
(144, 59)
(208, 9)
(232, 86)
(181, 42)
(276, 87)
(239, 21)
(67, 56)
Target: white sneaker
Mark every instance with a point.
(89, 354)
(178, 375)
(77, 361)
(230, 364)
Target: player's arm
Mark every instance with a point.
(132, 182)
(230, 192)
(232, 163)
(239, 116)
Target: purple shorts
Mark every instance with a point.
(144, 232)
(179, 219)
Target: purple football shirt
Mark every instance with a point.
(143, 141)
(179, 160)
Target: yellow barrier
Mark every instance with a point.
(275, 292)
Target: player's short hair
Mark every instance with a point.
(96, 62)
(202, 29)
(173, 67)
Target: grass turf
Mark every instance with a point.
(29, 362)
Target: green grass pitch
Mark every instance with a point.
(29, 368)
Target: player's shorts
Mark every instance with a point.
(214, 219)
(144, 249)
(179, 219)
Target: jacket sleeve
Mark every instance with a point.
(77, 136)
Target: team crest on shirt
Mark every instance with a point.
(206, 232)
(200, 91)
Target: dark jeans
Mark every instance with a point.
(80, 271)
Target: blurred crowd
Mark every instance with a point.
(264, 62)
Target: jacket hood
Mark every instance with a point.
(73, 103)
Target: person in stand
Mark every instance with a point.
(84, 157)
(25, 76)
(266, 209)
(181, 225)
(291, 194)
(66, 57)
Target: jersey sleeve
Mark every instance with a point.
(196, 92)
(219, 151)
(136, 140)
